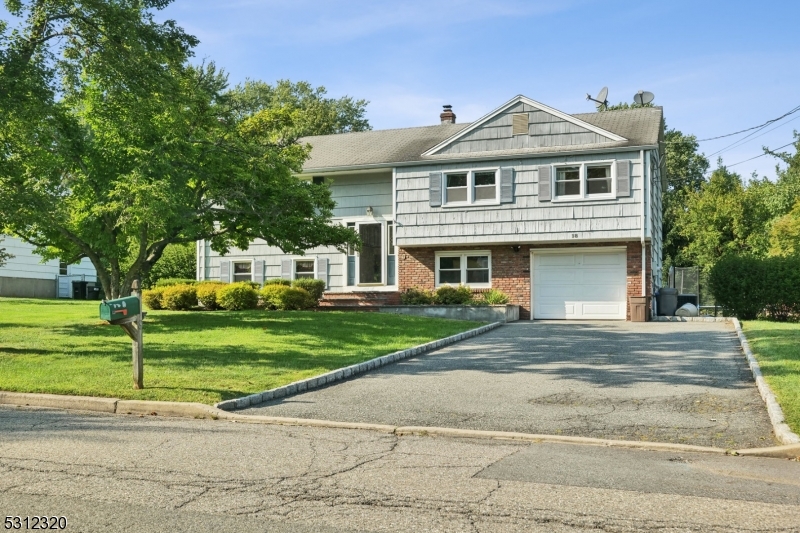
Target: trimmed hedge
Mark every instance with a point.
(747, 287)
(237, 296)
(415, 296)
(315, 287)
(179, 297)
(447, 295)
(168, 282)
(152, 298)
(278, 297)
(278, 281)
(207, 293)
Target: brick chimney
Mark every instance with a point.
(447, 116)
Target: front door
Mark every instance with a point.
(370, 260)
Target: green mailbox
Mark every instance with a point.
(120, 309)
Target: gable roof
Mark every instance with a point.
(387, 148)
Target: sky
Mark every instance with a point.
(715, 66)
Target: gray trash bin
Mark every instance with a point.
(667, 300)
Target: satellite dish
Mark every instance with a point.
(643, 97)
(602, 98)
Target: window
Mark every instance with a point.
(304, 268)
(62, 268)
(243, 271)
(584, 181)
(390, 238)
(318, 180)
(474, 186)
(456, 187)
(470, 268)
(351, 250)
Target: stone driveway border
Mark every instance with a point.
(348, 371)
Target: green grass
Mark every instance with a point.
(62, 347)
(776, 345)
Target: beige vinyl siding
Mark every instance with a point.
(524, 220)
(544, 130)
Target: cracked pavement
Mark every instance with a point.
(685, 383)
(128, 473)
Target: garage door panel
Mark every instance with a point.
(580, 285)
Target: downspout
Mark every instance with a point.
(644, 222)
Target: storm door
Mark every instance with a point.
(370, 260)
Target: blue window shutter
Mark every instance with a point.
(286, 268)
(351, 270)
(390, 269)
(322, 270)
(225, 270)
(545, 193)
(623, 179)
(506, 185)
(435, 188)
(258, 270)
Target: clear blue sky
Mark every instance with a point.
(715, 66)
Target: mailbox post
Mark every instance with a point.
(127, 314)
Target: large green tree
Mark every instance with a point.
(113, 148)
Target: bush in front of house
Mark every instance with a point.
(416, 296)
(315, 287)
(747, 287)
(207, 293)
(237, 296)
(495, 297)
(269, 296)
(151, 298)
(447, 295)
(179, 297)
(278, 281)
(169, 282)
(282, 298)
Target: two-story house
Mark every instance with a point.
(561, 212)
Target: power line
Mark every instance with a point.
(743, 139)
(762, 155)
(767, 123)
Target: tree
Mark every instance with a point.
(125, 149)
(784, 237)
(314, 114)
(4, 256)
(725, 217)
(177, 261)
(686, 169)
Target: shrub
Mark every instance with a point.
(207, 293)
(269, 296)
(179, 297)
(495, 297)
(415, 296)
(746, 286)
(169, 282)
(295, 299)
(315, 287)
(237, 296)
(152, 298)
(278, 281)
(447, 295)
(177, 262)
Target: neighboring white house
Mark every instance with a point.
(26, 276)
(561, 212)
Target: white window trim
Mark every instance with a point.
(463, 255)
(583, 196)
(471, 187)
(304, 258)
(233, 268)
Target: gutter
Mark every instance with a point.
(645, 179)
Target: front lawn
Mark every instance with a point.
(776, 345)
(62, 347)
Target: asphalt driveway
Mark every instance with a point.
(669, 382)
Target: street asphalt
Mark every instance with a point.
(117, 473)
(657, 381)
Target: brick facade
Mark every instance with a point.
(510, 269)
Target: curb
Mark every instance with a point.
(198, 410)
(348, 371)
(782, 430)
(692, 319)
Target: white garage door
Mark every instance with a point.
(588, 284)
